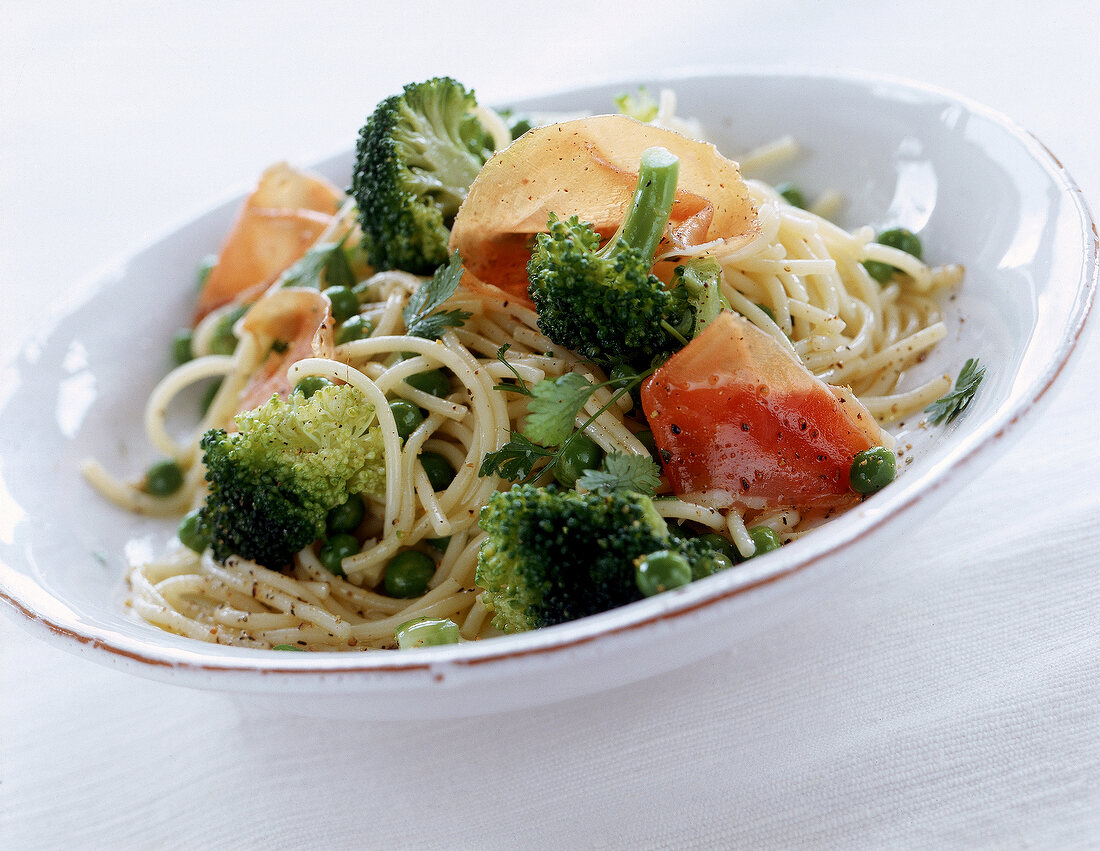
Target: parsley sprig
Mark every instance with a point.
(554, 407)
(417, 313)
(516, 459)
(327, 262)
(622, 471)
(950, 405)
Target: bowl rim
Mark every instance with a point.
(35, 608)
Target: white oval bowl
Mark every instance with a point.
(980, 190)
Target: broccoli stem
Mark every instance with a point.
(647, 219)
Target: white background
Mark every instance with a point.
(947, 696)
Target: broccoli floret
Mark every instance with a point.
(553, 555)
(416, 157)
(556, 555)
(518, 123)
(640, 106)
(272, 483)
(603, 303)
(696, 291)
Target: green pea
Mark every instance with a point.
(764, 539)
(223, 341)
(181, 346)
(433, 382)
(903, 240)
(710, 564)
(164, 478)
(354, 328)
(440, 544)
(661, 571)
(408, 574)
(347, 516)
(872, 470)
(645, 437)
(579, 455)
(792, 194)
(900, 238)
(721, 544)
(345, 303)
(407, 416)
(335, 549)
(311, 384)
(426, 632)
(208, 394)
(623, 375)
(439, 470)
(193, 531)
(881, 272)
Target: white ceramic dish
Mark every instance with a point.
(979, 189)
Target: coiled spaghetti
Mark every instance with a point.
(800, 278)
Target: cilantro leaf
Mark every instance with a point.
(622, 471)
(419, 319)
(950, 405)
(555, 403)
(338, 271)
(307, 270)
(554, 407)
(320, 262)
(432, 327)
(515, 459)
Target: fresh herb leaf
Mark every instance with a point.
(554, 407)
(419, 319)
(307, 270)
(432, 327)
(555, 404)
(317, 265)
(287, 647)
(515, 459)
(338, 271)
(949, 406)
(623, 471)
(520, 386)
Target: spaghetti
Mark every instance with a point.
(799, 278)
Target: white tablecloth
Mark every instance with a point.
(947, 696)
